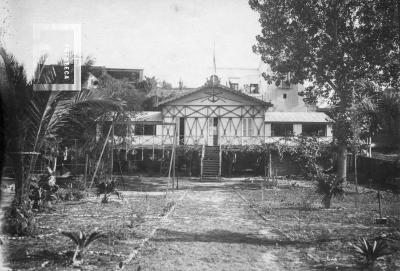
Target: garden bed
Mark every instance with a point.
(321, 236)
(125, 222)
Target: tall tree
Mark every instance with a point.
(32, 118)
(332, 44)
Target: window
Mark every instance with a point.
(284, 96)
(254, 88)
(247, 127)
(313, 129)
(234, 86)
(212, 126)
(145, 129)
(281, 129)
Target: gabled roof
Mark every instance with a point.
(235, 92)
(297, 117)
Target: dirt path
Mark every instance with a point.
(212, 228)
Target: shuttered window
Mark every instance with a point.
(248, 129)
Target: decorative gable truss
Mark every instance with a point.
(231, 130)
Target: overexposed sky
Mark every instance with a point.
(169, 39)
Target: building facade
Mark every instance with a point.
(227, 111)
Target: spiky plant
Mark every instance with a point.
(82, 242)
(370, 250)
(34, 119)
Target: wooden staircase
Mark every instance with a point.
(211, 163)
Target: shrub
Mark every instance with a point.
(67, 194)
(107, 188)
(19, 220)
(328, 186)
(42, 191)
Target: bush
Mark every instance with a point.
(42, 191)
(68, 194)
(328, 186)
(19, 220)
(107, 188)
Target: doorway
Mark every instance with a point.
(215, 131)
(181, 131)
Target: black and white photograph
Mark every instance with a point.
(212, 135)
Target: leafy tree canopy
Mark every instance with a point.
(333, 44)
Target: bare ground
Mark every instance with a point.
(229, 225)
(212, 228)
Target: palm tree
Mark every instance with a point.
(377, 112)
(33, 119)
(389, 116)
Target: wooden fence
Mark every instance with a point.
(378, 170)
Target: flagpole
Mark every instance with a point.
(215, 65)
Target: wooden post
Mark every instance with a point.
(262, 182)
(76, 157)
(269, 164)
(86, 168)
(220, 163)
(379, 202)
(112, 150)
(126, 142)
(101, 155)
(177, 185)
(172, 164)
(174, 161)
(356, 178)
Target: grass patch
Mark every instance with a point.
(323, 235)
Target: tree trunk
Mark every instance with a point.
(326, 200)
(342, 162)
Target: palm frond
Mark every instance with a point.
(92, 237)
(371, 251)
(74, 236)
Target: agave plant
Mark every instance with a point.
(371, 251)
(82, 242)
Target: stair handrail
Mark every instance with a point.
(203, 149)
(220, 163)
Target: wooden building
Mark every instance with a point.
(214, 116)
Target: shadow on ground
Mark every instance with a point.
(148, 184)
(220, 236)
(133, 183)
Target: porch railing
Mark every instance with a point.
(168, 140)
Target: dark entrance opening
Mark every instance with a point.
(215, 133)
(181, 131)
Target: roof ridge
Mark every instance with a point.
(237, 92)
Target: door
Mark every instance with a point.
(213, 131)
(181, 131)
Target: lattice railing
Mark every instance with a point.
(167, 140)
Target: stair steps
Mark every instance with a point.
(211, 163)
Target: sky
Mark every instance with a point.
(169, 39)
